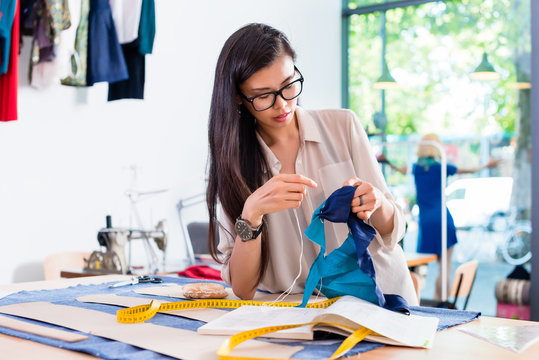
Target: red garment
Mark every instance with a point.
(9, 82)
(201, 272)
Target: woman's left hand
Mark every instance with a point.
(367, 198)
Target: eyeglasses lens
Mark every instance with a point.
(265, 101)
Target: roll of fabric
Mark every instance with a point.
(513, 291)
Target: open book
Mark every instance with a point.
(391, 327)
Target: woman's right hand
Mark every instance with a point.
(282, 191)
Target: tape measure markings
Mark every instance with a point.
(223, 353)
(142, 313)
(145, 312)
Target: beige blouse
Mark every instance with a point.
(334, 147)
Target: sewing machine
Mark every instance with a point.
(114, 240)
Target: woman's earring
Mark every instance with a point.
(238, 109)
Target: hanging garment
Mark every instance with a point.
(79, 57)
(9, 82)
(44, 72)
(27, 14)
(349, 269)
(7, 15)
(133, 87)
(43, 45)
(58, 19)
(146, 31)
(126, 15)
(105, 57)
(49, 18)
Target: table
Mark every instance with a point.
(417, 259)
(21, 349)
(453, 344)
(412, 260)
(76, 273)
(449, 344)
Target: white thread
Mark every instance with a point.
(287, 291)
(319, 292)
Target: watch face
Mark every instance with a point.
(243, 230)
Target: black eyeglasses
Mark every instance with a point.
(266, 100)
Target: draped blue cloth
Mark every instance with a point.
(349, 269)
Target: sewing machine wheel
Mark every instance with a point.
(106, 262)
(94, 261)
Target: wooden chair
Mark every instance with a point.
(461, 286)
(55, 263)
(415, 281)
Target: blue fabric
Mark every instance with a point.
(349, 269)
(109, 349)
(428, 180)
(133, 87)
(147, 27)
(105, 57)
(7, 15)
(447, 317)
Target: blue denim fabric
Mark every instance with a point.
(109, 349)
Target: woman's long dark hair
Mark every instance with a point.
(237, 164)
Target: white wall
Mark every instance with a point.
(65, 163)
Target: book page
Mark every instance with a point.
(253, 317)
(416, 331)
(408, 330)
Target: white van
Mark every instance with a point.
(472, 201)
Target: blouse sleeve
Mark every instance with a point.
(368, 169)
(226, 242)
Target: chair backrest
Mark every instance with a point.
(463, 281)
(198, 234)
(415, 281)
(55, 263)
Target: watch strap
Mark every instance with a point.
(255, 232)
(258, 230)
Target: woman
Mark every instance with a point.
(273, 163)
(428, 182)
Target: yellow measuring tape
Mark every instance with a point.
(223, 353)
(144, 312)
